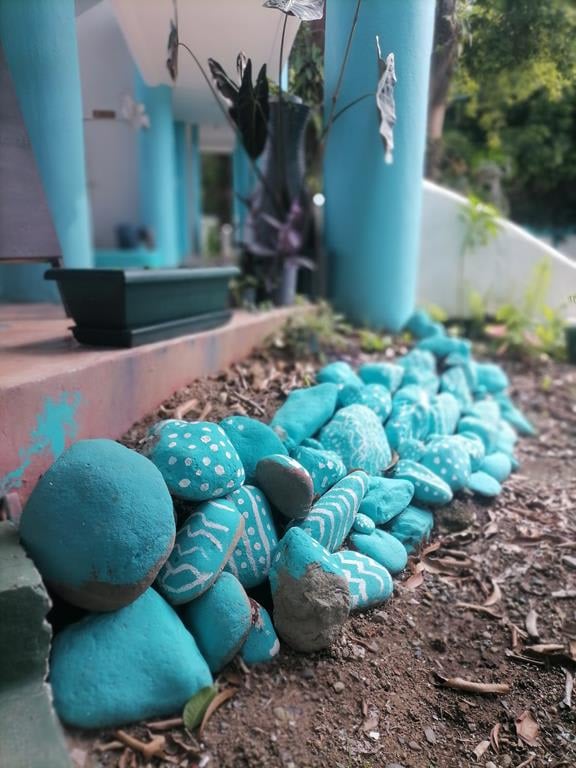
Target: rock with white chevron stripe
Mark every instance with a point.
(203, 546)
(332, 517)
(368, 581)
(310, 594)
(252, 555)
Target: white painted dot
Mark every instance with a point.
(330, 465)
(221, 431)
(250, 531)
(222, 443)
(240, 427)
(437, 460)
(238, 553)
(218, 491)
(228, 455)
(206, 429)
(204, 487)
(243, 565)
(262, 560)
(192, 447)
(188, 462)
(171, 445)
(172, 460)
(187, 435)
(230, 484)
(443, 470)
(173, 435)
(219, 469)
(239, 472)
(257, 546)
(184, 483)
(214, 447)
(205, 438)
(206, 461)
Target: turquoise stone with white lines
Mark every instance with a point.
(382, 547)
(407, 422)
(428, 487)
(448, 458)
(445, 412)
(202, 548)
(196, 459)
(389, 375)
(356, 434)
(262, 643)
(251, 557)
(373, 396)
(326, 468)
(369, 582)
(331, 518)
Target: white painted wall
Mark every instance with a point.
(500, 271)
(107, 73)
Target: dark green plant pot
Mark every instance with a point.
(114, 307)
(570, 333)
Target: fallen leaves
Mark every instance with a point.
(484, 609)
(495, 596)
(531, 624)
(566, 702)
(147, 749)
(495, 738)
(215, 704)
(527, 728)
(470, 686)
(481, 749)
(197, 706)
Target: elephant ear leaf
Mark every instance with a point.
(225, 85)
(252, 110)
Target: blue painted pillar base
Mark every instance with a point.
(39, 42)
(243, 179)
(183, 180)
(157, 171)
(196, 190)
(373, 210)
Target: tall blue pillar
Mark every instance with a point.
(373, 210)
(243, 182)
(183, 181)
(157, 171)
(40, 46)
(196, 189)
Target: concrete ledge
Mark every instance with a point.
(53, 391)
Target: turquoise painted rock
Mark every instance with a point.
(407, 422)
(309, 591)
(498, 465)
(445, 412)
(339, 372)
(418, 359)
(485, 410)
(421, 325)
(411, 448)
(449, 460)
(369, 582)
(453, 380)
(253, 441)
(429, 489)
(130, 665)
(412, 527)
(363, 524)
(484, 485)
(311, 442)
(305, 412)
(389, 375)
(373, 396)
(326, 468)
(356, 434)
(386, 498)
(203, 546)
(287, 484)
(251, 557)
(262, 644)
(442, 346)
(411, 394)
(491, 377)
(197, 459)
(487, 432)
(331, 518)
(474, 447)
(99, 525)
(382, 547)
(515, 417)
(220, 620)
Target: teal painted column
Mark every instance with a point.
(243, 180)
(373, 210)
(157, 171)
(39, 41)
(196, 189)
(183, 169)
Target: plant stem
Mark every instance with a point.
(280, 116)
(345, 109)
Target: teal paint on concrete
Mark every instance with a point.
(157, 171)
(39, 41)
(373, 210)
(243, 180)
(133, 258)
(197, 204)
(183, 181)
(56, 425)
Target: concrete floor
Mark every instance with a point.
(53, 391)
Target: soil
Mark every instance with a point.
(491, 600)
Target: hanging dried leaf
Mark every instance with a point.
(469, 686)
(527, 728)
(385, 101)
(216, 702)
(305, 10)
(172, 60)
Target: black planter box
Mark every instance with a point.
(114, 307)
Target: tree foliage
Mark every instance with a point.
(512, 106)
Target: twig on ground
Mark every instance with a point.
(469, 686)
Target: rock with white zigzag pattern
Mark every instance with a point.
(332, 517)
(203, 546)
(368, 581)
(251, 557)
(356, 434)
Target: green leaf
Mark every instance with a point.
(197, 705)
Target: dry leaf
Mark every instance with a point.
(459, 684)
(495, 596)
(495, 737)
(481, 749)
(149, 749)
(527, 728)
(491, 530)
(546, 649)
(414, 581)
(566, 702)
(531, 624)
(480, 609)
(165, 725)
(216, 702)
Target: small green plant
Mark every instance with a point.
(372, 342)
(309, 333)
(437, 314)
(480, 223)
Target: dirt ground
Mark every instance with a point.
(491, 600)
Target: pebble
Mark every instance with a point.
(356, 434)
(287, 484)
(373, 396)
(262, 643)
(304, 412)
(369, 582)
(412, 527)
(326, 468)
(253, 441)
(382, 547)
(386, 497)
(429, 489)
(339, 372)
(388, 375)
(448, 459)
(338, 686)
